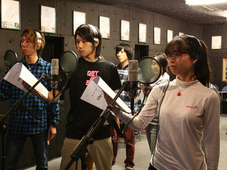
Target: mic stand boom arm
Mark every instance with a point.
(3, 117)
(80, 151)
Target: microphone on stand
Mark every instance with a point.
(54, 73)
(145, 76)
(133, 78)
(133, 81)
(68, 64)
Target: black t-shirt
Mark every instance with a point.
(82, 114)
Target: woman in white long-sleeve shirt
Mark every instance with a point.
(188, 111)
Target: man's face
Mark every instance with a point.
(27, 46)
(85, 48)
(122, 56)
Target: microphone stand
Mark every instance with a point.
(142, 104)
(146, 93)
(133, 87)
(80, 151)
(3, 126)
(132, 105)
(54, 95)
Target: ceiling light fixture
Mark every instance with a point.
(204, 2)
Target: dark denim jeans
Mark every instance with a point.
(15, 144)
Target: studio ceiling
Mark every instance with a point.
(201, 15)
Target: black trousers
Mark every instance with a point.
(151, 167)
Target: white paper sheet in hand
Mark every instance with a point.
(94, 95)
(19, 73)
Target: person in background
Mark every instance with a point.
(28, 120)
(152, 127)
(124, 53)
(187, 109)
(82, 115)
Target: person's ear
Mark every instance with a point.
(96, 44)
(194, 61)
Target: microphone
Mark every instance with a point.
(133, 78)
(54, 73)
(10, 58)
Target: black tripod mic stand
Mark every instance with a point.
(3, 126)
(80, 151)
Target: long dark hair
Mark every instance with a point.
(92, 34)
(197, 49)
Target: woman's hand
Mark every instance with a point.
(145, 90)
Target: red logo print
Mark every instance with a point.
(92, 75)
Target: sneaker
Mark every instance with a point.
(129, 168)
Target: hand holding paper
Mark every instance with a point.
(19, 73)
(94, 95)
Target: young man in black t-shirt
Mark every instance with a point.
(82, 114)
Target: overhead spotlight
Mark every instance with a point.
(204, 2)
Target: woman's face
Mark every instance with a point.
(181, 64)
(155, 67)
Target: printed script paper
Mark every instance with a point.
(19, 73)
(94, 94)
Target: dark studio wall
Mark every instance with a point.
(30, 18)
(216, 55)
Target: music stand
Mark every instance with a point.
(80, 151)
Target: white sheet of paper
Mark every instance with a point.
(94, 95)
(19, 73)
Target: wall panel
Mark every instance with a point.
(216, 55)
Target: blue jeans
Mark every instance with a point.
(15, 144)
